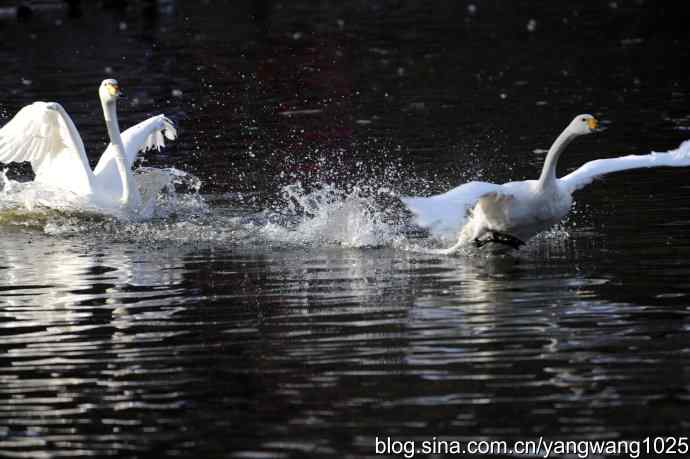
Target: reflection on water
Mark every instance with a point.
(169, 348)
(291, 311)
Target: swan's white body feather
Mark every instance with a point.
(472, 209)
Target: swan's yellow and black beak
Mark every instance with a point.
(592, 123)
(114, 90)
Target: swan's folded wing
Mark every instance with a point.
(44, 134)
(592, 170)
(147, 135)
(445, 214)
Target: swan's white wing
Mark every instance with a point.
(594, 169)
(44, 134)
(147, 135)
(150, 133)
(445, 214)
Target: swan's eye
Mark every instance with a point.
(583, 119)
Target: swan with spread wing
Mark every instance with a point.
(44, 134)
(480, 213)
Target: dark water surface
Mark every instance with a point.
(244, 328)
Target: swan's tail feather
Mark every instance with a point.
(440, 216)
(445, 215)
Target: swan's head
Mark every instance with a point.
(583, 124)
(109, 90)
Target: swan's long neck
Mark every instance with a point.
(110, 114)
(548, 172)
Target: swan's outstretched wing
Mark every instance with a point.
(147, 135)
(445, 214)
(590, 171)
(44, 134)
(150, 133)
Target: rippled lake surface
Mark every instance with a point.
(288, 308)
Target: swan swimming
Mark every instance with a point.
(44, 134)
(480, 213)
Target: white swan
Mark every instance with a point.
(479, 212)
(44, 134)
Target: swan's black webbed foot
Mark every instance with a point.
(499, 238)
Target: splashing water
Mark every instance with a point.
(328, 215)
(351, 216)
(169, 192)
(365, 214)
